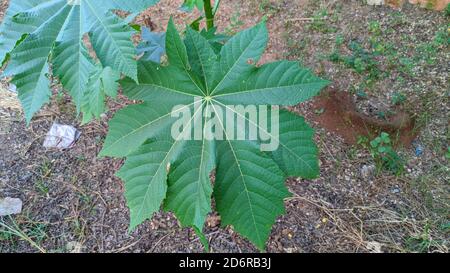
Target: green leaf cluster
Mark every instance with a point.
(43, 37)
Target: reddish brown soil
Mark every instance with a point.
(339, 115)
(434, 4)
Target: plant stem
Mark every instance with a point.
(209, 14)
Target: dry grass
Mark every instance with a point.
(374, 228)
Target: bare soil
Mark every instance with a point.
(74, 203)
(341, 116)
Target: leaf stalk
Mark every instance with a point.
(209, 14)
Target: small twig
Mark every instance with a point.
(158, 242)
(306, 19)
(126, 247)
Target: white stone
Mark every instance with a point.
(375, 2)
(9, 206)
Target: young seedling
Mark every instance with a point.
(385, 156)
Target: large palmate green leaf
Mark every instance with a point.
(36, 32)
(196, 88)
